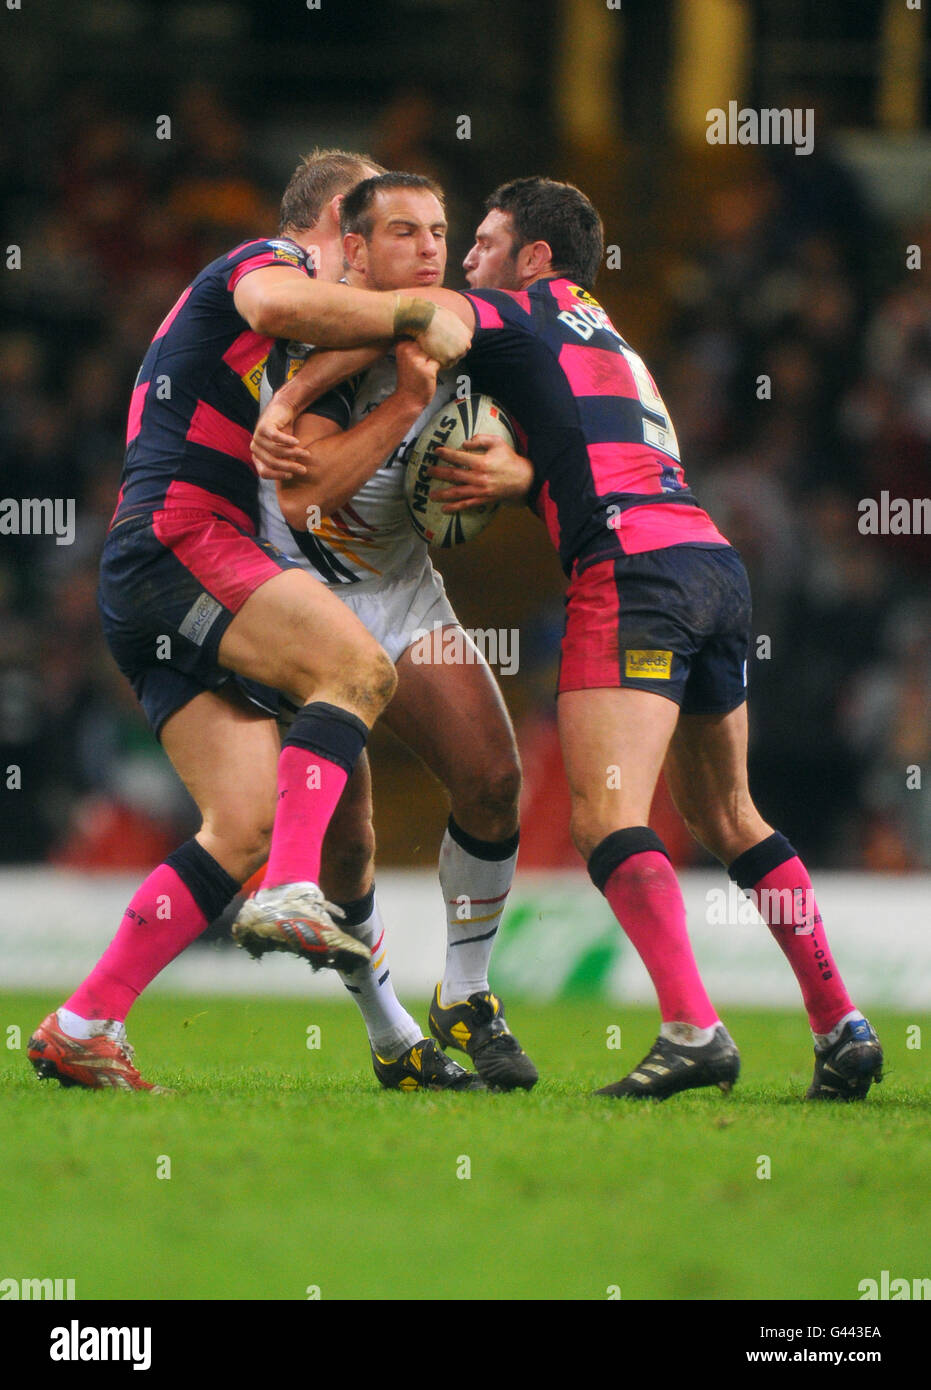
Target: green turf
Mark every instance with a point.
(290, 1169)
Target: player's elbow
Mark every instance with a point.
(317, 496)
(266, 315)
(303, 507)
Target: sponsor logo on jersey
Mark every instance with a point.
(578, 293)
(654, 666)
(252, 379)
(285, 251)
(296, 354)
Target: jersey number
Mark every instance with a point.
(659, 434)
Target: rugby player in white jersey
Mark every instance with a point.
(346, 521)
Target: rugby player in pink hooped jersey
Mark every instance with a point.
(208, 622)
(653, 670)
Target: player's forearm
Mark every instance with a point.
(337, 316)
(341, 463)
(324, 370)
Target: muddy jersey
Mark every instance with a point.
(608, 480)
(195, 403)
(370, 538)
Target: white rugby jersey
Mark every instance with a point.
(369, 538)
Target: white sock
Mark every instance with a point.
(825, 1040)
(475, 889)
(391, 1030)
(77, 1027)
(688, 1034)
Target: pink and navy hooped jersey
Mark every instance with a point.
(196, 399)
(607, 475)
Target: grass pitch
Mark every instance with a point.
(287, 1173)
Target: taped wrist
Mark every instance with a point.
(412, 316)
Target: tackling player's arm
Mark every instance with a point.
(486, 469)
(276, 450)
(282, 302)
(340, 461)
(451, 301)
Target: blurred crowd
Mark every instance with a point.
(795, 280)
(112, 223)
(798, 371)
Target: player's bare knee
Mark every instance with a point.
(367, 682)
(504, 789)
(383, 678)
(242, 848)
(489, 801)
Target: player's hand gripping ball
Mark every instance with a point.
(450, 427)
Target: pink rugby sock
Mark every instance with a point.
(318, 755)
(785, 900)
(309, 788)
(646, 899)
(161, 920)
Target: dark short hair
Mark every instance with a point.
(355, 211)
(317, 179)
(559, 214)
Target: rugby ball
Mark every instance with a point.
(449, 428)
